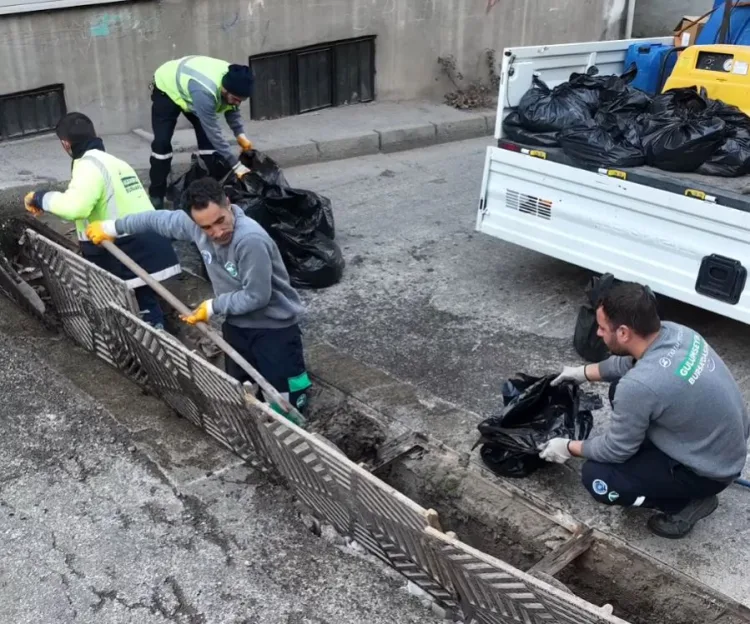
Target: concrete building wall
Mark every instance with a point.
(105, 55)
(659, 17)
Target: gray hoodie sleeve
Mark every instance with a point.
(174, 224)
(615, 367)
(255, 265)
(204, 105)
(634, 406)
(234, 121)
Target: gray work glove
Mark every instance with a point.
(576, 374)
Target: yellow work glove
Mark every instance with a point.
(100, 231)
(31, 204)
(201, 314)
(245, 143)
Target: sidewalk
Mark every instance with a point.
(331, 134)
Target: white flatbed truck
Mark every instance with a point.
(685, 235)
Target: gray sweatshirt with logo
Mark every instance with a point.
(248, 276)
(681, 396)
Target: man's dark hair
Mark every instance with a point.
(203, 192)
(632, 305)
(75, 128)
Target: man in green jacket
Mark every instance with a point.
(201, 88)
(105, 187)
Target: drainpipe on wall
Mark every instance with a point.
(630, 19)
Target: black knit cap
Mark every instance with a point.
(238, 81)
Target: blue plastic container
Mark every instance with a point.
(739, 26)
(649, 58)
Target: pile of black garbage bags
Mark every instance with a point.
(300, 222)
(602, 121)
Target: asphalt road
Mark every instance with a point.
(113, 510)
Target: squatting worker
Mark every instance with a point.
(250, 282)
(201, 88)
(679, 430)
(105, 187)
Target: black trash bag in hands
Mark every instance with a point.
(300, 222)
(515, 131)
(732, 158)
(586, 342)
(684, 144)
(534, 413)
(545, 110)
(597, 146)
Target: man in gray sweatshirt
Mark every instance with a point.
(250, 282)
(679, 428)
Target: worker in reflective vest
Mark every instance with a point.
(201, 88)
(105, 187)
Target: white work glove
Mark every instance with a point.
(576, 374)
(240, 169)
(555, 451)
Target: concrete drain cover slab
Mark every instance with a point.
(82, 293)
(194, 388)
(493, 592)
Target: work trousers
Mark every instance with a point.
(276, 354)
(164, 115)
(649, 479)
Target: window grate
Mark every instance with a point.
(27, 113)
(313, 78)
(528, 204)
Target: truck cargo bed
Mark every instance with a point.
(730, 192)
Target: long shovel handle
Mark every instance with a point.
(209, 333)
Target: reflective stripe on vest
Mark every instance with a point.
(203, 80)
(109, 189)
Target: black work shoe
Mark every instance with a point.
(675, 526)
(157, 202)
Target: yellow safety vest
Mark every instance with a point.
(101, 187)
(173, 77)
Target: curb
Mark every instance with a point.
(366, 143)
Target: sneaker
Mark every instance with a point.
(157, 202)
(676, 526)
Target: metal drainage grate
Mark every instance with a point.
(27, 113)
(528, 204)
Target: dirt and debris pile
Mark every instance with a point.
(21, 279)
(603, 121)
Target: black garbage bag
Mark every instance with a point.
(683, 144)
(679, 102)
(176, 191)
(515, 131)
(545, 110)
(597, 146)
(732, 158)
(731, 115)
(597, 90)
(585, 340)
(534, 412)
(299, 221)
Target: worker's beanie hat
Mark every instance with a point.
(238, 81)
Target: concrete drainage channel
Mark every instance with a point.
(496, 518)
(487, 514)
